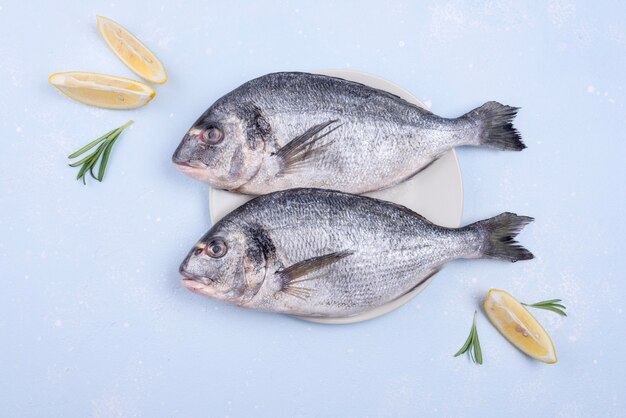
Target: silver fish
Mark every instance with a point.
(287, 130)
(327, 254)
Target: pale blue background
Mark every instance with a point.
(94, 322)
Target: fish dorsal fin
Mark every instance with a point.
(295, 274)
(303, 148)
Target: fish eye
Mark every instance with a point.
(216, 248)
(211, 136)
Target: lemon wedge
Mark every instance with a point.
(131, 51)
(518, 326)
(102, 90)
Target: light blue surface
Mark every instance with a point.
(94, 322)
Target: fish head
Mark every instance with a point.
(220, 148)
(225, 264)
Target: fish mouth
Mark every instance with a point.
(194, 169)
(196, 283)
(189, 163)
(197, 287)
(182, 163)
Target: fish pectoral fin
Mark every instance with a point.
(297, 273)
(304, 148)
(301, 293)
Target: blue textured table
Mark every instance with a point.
(93, 319)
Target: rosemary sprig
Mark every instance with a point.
(553, 305)
(105, 144)
(472, 345)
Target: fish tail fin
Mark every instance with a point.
(497, 237)
(496, 126)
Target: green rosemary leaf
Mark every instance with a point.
(105, 159)
(478, 354)
(549, 301)
(553, 309)
(81, 162)
(101, 154)
(91, 160)
(545, 303)
(549, 305)
(81, 172)
(472, 345)
(465, 346)
(96, 155)
(90, 145)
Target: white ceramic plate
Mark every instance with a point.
(435, 193)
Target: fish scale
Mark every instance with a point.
(323, 253)
(287, 130)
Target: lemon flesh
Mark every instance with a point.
(131, 51)
(103, 90)
(518, 326)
